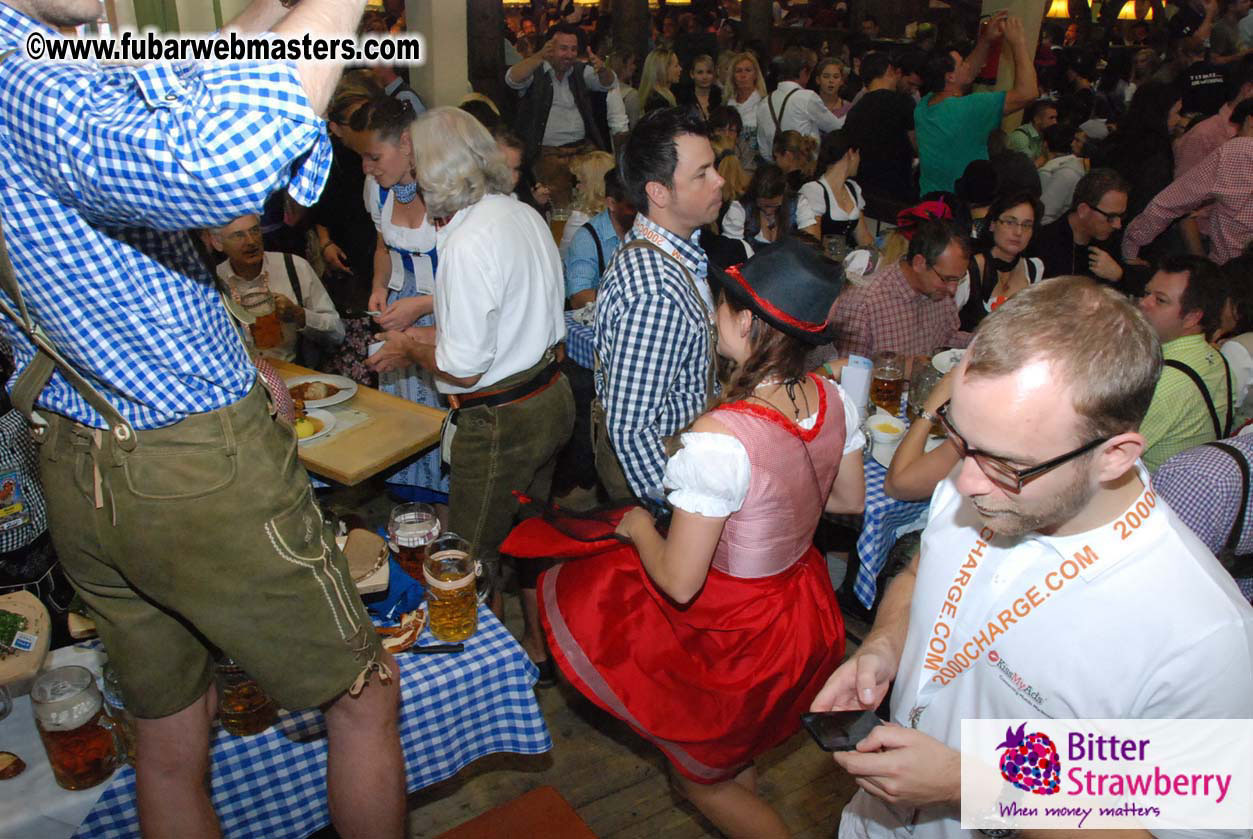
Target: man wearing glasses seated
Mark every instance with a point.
(909, 307)
(1048, 556)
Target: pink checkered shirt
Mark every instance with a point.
(1199, 143)
(1225, 180)
(888, 314)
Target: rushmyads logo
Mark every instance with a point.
(1107, 774)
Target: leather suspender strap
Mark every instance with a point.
(600, 252)
(778, 118)
(31, 381)
(711, 377)
(1239, 565)
(1233, 538)
(1220, 431)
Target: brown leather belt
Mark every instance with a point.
(492, 398)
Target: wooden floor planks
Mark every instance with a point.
(618, 783)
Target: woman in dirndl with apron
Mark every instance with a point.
(404, 274)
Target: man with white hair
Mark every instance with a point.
(499, 298)
(176, 503)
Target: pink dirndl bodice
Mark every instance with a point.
(792, 470)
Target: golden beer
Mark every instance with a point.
(84, 744)
(886, 393)
(451, 593)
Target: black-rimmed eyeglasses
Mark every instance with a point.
(1110, 217)
(996, 469)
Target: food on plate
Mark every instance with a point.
(885, 427)
(10, 624)
(10, 765)
(312, 391)
(307, 427)
(400, 638)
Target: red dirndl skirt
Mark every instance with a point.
(713, 683)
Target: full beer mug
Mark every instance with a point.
(267, 332)
(451, 599)
(83, 742)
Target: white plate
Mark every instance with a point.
(347, 388)
(947, 360)
(883, 454)
(325, 417)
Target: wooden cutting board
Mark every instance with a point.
(17, 670)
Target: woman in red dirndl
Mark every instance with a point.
(712, 641)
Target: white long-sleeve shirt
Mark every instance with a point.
(805, 113)
(322, 322)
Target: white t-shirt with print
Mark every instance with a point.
(1135, 619)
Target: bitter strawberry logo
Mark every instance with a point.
(1029, 761)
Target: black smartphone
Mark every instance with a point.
(839, 731)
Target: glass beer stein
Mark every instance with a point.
(887, 383)
(267, 332)
(410, 528)
(83, 742)
(244, 708)
(451, 599)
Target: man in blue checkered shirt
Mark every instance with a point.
(176, 502)
(654, 338)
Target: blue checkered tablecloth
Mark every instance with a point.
(580, 342)
(455, 708)
(884, 521)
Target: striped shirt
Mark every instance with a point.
(102, 170)
(653, 349)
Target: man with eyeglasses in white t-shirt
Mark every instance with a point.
(1074, 576)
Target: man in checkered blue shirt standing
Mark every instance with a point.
(654, 336)
(176, 503)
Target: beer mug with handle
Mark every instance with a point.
(84, 744)
(450, 574)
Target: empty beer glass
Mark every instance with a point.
(410, 528)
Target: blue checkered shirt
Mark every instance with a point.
(102, 170)
(653, 350)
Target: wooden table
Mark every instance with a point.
(396, 429)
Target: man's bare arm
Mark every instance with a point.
(323, 17)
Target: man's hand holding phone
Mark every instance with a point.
(858, 684)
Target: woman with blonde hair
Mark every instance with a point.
(747, 87)
(796, 154)
(735, 179)
(661, 71)
(589, 192)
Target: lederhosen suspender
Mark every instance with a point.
(778, 118)
(711, 333)
(1220, 431)
(600, 252)
(1239, 565)
(31, 381)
